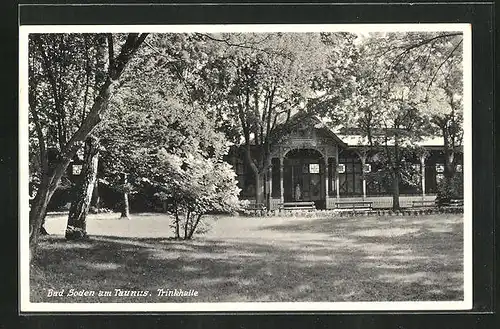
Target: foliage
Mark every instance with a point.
(154, 109)
(448, 189)
(60, 73)
(162, 136)
(403, 86)
(192, 187)
(261, 80)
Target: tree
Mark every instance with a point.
(393, 126)
(262, 79)
(432, 66)
(69, 141)
(166, 142)
(442, 103)
(386, 105)
(57, 82)
(77, 225)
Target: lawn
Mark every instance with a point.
(241, 259)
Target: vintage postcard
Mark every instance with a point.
(245, 167)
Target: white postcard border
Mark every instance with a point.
(24, 266)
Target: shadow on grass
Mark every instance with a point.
(340, 260)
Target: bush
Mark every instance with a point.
(192, 187)
(449, 189)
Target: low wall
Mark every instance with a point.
(379, 202)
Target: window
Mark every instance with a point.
(351, 182)
(377, 181)
(331, 177)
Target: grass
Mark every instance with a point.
(241, 259)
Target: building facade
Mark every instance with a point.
(315, 164)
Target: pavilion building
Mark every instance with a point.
(313, 163)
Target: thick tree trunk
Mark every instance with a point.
(96, 199)
(125, 209)
(449, 167)
(258, 188)
(37, 214)
(117, 66)
(268, 184)
(77, 218)
(125, 203)
(43, 231)
(257, 176)
(395, 191)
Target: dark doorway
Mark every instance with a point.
(304, 176)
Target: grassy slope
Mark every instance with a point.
(259, 259)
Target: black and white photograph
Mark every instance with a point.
(246, 167)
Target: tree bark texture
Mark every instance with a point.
(125, 203)
(96, 199)
(77, 218)
(395, 190)
(177, 225)
(258, 188)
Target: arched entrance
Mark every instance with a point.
(304, 177)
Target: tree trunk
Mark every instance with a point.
(449, 167)
(395, 191)
(268, 179)
(96, 198)
(177, 225)
(258, 188)
(77, 218)
(37, 214)
(194, 226)
(186, 224)
(43, 231)
(38, 211)
(125, 205)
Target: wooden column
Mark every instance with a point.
(326, 182)
(337, 178)
(337, 183)
(363, 161)
(270, 187)
(422, 170)
(282, 196)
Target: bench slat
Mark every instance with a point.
(298, 205)
(355, 205)
(423, 203)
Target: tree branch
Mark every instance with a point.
(442, 63)
(111, 50)
(41, 138)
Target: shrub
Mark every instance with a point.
(192, 187)
(449, 189)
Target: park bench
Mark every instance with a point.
(259, 208)
(457, 202)
(299, 205)
(422, 203)
(354, 205)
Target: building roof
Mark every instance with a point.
(348, 138)
(355, 139)
(359, 140)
